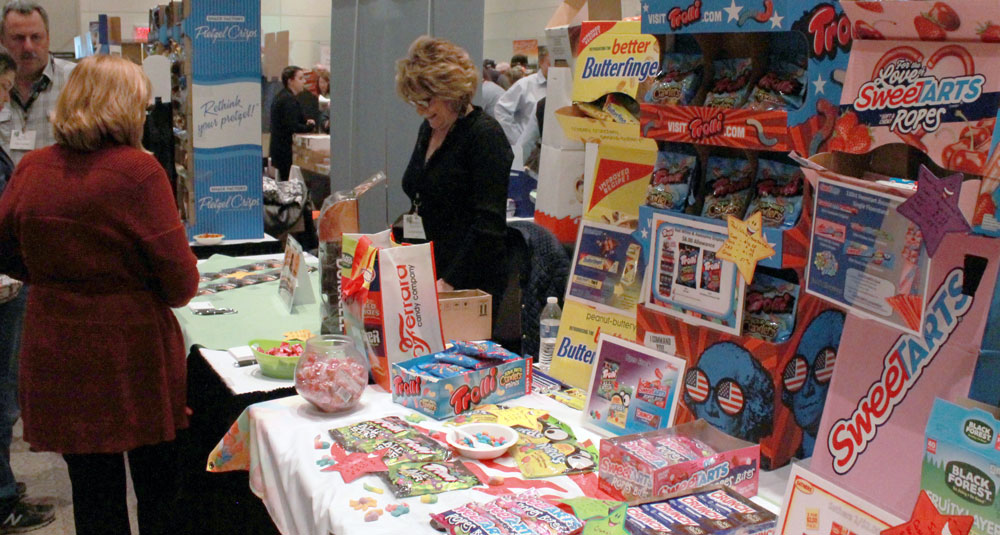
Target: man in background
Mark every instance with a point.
(516, 108)
(491, 91)
(24, 32)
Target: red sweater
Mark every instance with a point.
(98, 238)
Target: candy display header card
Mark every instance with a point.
(798, 56)
(632, 388)
(960, 463)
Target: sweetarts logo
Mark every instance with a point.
(629, 68)
(902, 367)
(918, 100)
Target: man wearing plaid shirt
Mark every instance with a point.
(24, 125)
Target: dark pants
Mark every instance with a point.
(99, 490)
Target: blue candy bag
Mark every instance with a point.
(778, 193)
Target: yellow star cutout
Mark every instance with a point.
(746, 245)
(301, 335)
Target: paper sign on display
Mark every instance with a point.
(294, 284)
(606, 273)
(621, 177)
(813, 505)
(632, 388)
(686, 278)
(866, 256)
(746, 244)
(576, 344)
(934, 207)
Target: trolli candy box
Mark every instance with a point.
(961, 468)
(668, 461)
(442, 398)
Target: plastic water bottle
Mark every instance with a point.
(547, 331)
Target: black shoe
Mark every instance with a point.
(27, 517)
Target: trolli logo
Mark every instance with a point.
(902, 367)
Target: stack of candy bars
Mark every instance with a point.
(417, 464)
(546, 447)
(718, 511)
(464, 356)
(522, 514)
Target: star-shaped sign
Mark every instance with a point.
(820, 84)
(776, 20)
(926, 520)
(746, 245)
(733, 11)
(356, 465)
(934, 207)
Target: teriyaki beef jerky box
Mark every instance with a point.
(961, 468)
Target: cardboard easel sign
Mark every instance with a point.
(294, 286)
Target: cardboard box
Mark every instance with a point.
(632, 469)
(960, 463)
(559, 203)
(558, 89)
(562, 32)
(466, 314)
(445, 398)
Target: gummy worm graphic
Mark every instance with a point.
(828, 112)
(761, 136)
(759, 16)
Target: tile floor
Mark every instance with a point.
(47, 480)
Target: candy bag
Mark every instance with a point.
(781, 88)
(416, 479)
(441, 369)
(731, 85)
(546, 517)
(779, 193)
(769, 308)
(354, 437)
(672, 180)
(487, 350)
(418, 448)
(542, 429)
(678, 81)
(554, 458)
(727, 185)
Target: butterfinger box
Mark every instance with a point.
(643, 465)
(961, 466)
(444, 398)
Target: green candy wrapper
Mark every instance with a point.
(357, 437)
(416, 479)
(417, 448)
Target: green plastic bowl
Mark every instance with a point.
(273, 365)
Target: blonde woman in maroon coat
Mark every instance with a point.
(90, 223)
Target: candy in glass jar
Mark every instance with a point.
(331, 373)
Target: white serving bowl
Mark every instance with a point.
(208, 239)
(483, 451)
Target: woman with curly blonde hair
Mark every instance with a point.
(457, 176)
(91, 224)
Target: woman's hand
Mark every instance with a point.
(443, 286)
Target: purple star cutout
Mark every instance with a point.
(934, 208)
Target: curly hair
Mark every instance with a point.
(436, 68)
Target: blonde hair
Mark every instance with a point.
(104, 101)
(436, 68)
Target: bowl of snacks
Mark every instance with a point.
(481, 441)
(209, 239)
(277, 358)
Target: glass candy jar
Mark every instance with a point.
(331, 373)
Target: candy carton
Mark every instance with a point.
(811, 37)
(961, 466)
(667, 461)
(444, 398)
(718, 510)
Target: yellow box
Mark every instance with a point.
(576, 125)
(466, 315)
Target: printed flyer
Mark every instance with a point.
(687, 279)
(814, 506)
(632, 388)
(606, 272)
(866, 256)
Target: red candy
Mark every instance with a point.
(330, 384)
(284, 350)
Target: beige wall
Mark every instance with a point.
(507, 20)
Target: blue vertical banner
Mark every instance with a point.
(226, 117)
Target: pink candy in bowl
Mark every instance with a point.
(331, 373)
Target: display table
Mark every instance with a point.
(222, 503)
(285, 445)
